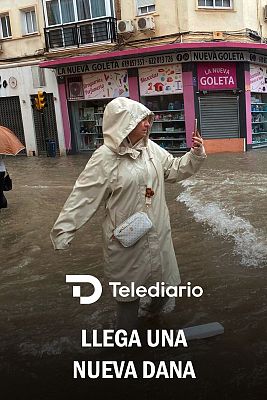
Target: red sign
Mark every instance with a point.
(216, 76)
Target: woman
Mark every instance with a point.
(120, 172)
(3, 200)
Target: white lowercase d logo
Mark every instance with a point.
(76, 290)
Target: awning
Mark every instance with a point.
(259, 48)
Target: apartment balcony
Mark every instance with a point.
(79, 34)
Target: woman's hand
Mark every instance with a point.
(197, 144)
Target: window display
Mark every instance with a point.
(168, 129)
(90, 116)
(259, 119)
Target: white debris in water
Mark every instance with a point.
(249, 242)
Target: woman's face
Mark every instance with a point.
(140, 131)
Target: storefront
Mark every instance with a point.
(216, 84)
(161, 90)
(88, 96)
(87, 92)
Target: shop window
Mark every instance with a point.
(161, 90)
(145, 6)
(215, 4)
(168, 129)
(29, 21)
(5, 26)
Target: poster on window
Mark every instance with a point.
(161, 80)
(106, 85)
(258, 78)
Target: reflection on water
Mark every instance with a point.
(219, 224)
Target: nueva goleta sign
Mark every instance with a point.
(155, 60)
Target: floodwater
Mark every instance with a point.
(219, 223)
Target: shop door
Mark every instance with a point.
(219, 116)
(11, 117)
(46, 126)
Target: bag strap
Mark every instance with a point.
(149, 190)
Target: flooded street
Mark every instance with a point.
(219, 223)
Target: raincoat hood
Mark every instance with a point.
(121, 116)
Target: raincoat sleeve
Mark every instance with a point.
(179, 168)
(89, 190)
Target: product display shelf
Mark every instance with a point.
(259, 123)
(259, 144)
(90, 129)
(170, 125)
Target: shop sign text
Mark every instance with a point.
(163, 59)
(104, 66)
(216, 76)
(235, 56)
(258, 58)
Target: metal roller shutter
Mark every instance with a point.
(219, 116)
(11, 117)
(49, 131)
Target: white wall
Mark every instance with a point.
(24, 89)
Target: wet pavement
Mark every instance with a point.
(219, 223)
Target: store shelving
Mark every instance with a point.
(90, 126)
(168, 129)
(259, 120)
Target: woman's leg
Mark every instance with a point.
(3, 200)
(127, 315)
(154, 306)
(157, 304)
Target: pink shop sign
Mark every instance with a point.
(216, 76)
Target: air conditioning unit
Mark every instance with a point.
(265, 13)
(125, 26)
(145, 23)
(218, 35)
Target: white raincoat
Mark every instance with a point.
(118, 174)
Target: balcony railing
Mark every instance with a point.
(81, 33)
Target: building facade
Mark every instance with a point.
(204, 59)
(22, 48)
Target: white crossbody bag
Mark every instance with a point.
(133, 228)
(137, 225)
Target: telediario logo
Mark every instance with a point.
(76, 289)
